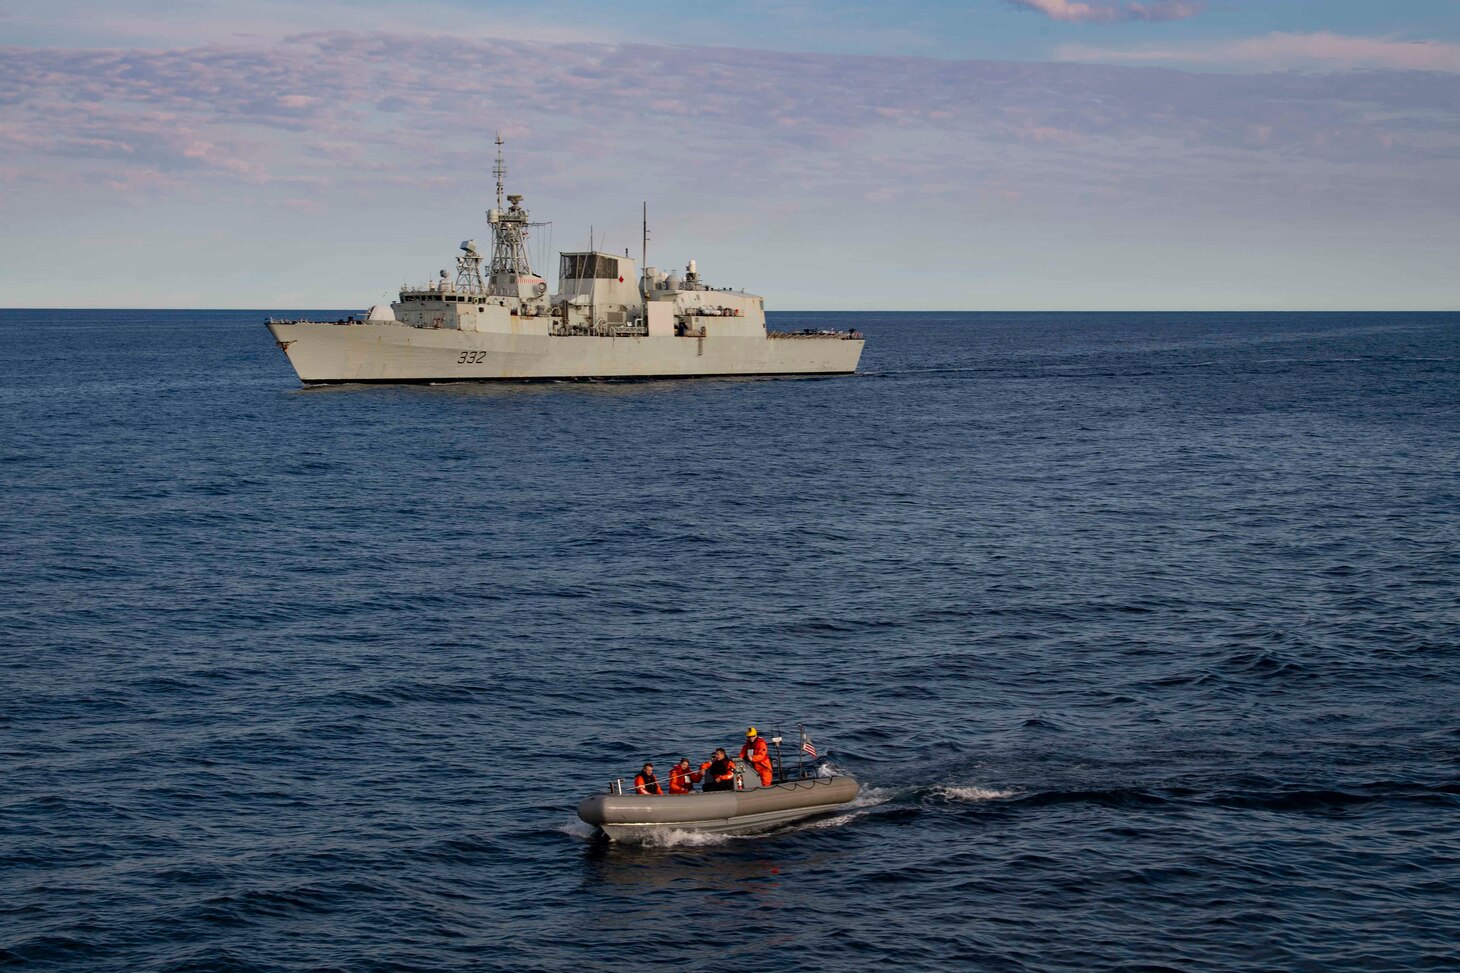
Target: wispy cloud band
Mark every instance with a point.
(1284, 51)
(326, 112)
(1075, 11)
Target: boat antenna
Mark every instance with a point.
(644, 258)
(499, 170)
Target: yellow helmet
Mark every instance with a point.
(750, 732)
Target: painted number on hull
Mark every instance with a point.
(471, 357)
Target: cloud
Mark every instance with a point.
(382, 138)
(363, 117)
(200, 22)
(1282, 51)
(1073, 11)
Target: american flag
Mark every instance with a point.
(807, 745)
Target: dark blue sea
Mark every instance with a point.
(1142, 632)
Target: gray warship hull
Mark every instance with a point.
(364, 351)
(728, 812)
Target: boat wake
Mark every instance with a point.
(677, 838)
(654, 838)
(972, 793)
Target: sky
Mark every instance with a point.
(979, 155)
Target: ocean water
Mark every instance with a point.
(1141, 632)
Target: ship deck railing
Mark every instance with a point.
(813, 333)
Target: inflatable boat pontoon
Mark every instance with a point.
(756, 808)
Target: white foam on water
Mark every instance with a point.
(868, 796)
(653, 838)
(832, 822)
(579, 828)
(972, 793)
(676, 838)
(872, 796)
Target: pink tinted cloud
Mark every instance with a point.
(367, 113)
(1281, 51)
(1074, 11)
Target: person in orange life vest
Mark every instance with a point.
(682, 779)
(646, 783)
(719, 773)
(759, 756)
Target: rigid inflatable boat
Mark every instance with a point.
(756, 808)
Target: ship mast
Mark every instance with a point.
(509, 236)
(499, 170)
(469, 269)
(644, 282)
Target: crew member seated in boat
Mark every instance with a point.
(646, 783)
(719, 773)
(759, 756)
(682, 779)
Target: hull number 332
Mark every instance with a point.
(471, 357)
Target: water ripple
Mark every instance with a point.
(1139, 631)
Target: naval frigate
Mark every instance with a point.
(606, 320)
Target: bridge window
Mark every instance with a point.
(577, 266)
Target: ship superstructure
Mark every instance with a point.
(606, 320)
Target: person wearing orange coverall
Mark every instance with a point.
(759, 756)
(682, 779)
